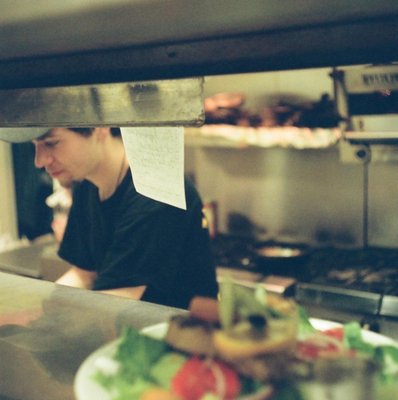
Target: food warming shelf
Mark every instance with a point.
(240, 137)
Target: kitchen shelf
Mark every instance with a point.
(231, 136)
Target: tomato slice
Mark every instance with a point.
(337, 332)
(200, 376)
(327, 343)
(309, 350)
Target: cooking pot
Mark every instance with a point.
(281, 258)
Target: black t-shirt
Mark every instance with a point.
(132, 240)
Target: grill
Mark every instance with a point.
(360, 280)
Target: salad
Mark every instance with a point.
(146, 368)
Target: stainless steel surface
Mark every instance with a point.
(46, 332)
(167, 102)
(389, 306)
(22, 261)
(46, 43)
(339, 297)
(38, 260)
(372, 138)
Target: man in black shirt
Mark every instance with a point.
(117, 240)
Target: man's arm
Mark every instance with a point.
(77, 277)
(134, 293)
(83, 279)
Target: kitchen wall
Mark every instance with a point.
(8, 224)
(306, 195)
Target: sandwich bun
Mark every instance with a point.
(255, 335)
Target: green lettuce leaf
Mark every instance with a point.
(353, 339)
(385, 355)
(305, 327)
(137, 353)
(166, 368)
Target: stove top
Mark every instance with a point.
(360, 279)
(368, 265)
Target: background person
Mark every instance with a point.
(117, 240)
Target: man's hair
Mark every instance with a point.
(87, 131)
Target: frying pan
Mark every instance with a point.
(281, 258)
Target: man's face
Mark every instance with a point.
(66, 155)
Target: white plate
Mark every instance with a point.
(368, 336)
(86, 388)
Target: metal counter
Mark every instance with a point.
(38, 260)
(47, 330)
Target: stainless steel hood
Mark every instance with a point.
(54, 43)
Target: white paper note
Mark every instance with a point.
(156, 158)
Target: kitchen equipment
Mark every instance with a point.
(240, 225)
(280, 258)
(368, 98)
(337, 283)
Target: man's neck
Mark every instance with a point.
(111, 170)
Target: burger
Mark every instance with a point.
(250, 329)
